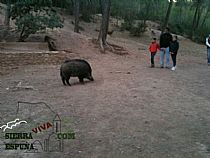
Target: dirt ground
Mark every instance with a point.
(130, 110)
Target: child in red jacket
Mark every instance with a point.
(154, 46)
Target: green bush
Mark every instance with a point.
(86, 17)
(138, 30)
(127, 25)
(31, 17)
(201, 34)
(89, 8)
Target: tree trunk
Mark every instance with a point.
(194, 22)
(7, 15)
(198, 18)
(23, 36)
(206, 16)
(76, 15)
(180, 14)
(105, 7)
(167, 15)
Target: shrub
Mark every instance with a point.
(138, 30)
(31, 16)
(127, 25)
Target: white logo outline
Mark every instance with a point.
(14, 125)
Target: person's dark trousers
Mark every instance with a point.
(152, 58)
(208, 55)
(173, 56)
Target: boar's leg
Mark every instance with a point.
(67, 81)
(63, 80)
(81, 79)
(89, 77)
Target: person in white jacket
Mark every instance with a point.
(208, 49)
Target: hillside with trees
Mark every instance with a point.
(189, 18)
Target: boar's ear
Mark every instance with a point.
(67, 60)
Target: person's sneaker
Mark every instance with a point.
(152, 65)
(173, 68)
(208, 64)
(161, 66)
